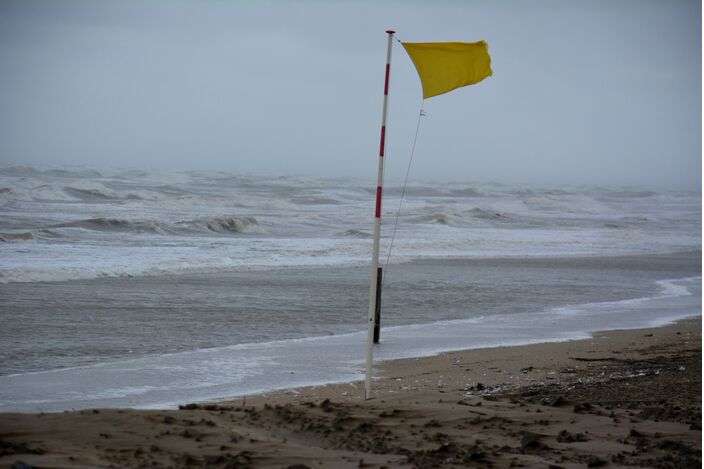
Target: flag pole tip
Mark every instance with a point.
(390, 31)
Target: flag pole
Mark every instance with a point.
(377, 226)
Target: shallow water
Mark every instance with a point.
(155, 342)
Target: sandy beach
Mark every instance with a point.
(620, 399)
(203, 204)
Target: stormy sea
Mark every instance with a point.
(127, 288)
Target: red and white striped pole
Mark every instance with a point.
(377, 225)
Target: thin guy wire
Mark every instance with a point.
(403, 192)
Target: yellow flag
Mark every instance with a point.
(444, 66)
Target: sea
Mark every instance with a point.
(150, 289)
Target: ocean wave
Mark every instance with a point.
(439, 218)
(630, 194)
(486, 214)
(49, 234)
(30, 189)
(40, 193)
(355, 234)
(543, 191)
(97, 224)
(14, 237)
(565, 203)
(114, 225)
(468, 192)
(451, 216)
(88, 194)
(415, 191)
(90, 191)
(171, 190)
(7, 196)
(314, 200)
(221, 225)
(28, 171)
(233, 225)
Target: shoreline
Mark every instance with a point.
(510, 356)
(624, 397)
(392, 346)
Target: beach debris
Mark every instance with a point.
(555, 401)
(596, 461)
(8, 447)
(582, 408)
(566, 437)
(484, 390)
(327, 405)
(469, 403)
(530, 440)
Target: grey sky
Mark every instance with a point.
(583, 91)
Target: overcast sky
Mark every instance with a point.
(583, 91)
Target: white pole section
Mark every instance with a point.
(377, 226)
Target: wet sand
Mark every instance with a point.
(621, 399)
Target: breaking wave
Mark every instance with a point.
(10, 237)
(468, 192)
(222, 225)
(355, 234)
(233, 225)
(95, 195)
(439, 218)
(490, 214)
(88, 194)
(28, 171)
(115, 225)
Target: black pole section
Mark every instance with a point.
(377, 307)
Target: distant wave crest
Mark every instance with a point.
(233, 225)
(355, 234)
(440, 218)
(115, 225)
(490, 214)
(222, 225)
(95, 195)
(10, 237)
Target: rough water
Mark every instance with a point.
(147, 289)
(81, 224)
